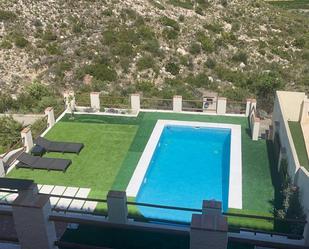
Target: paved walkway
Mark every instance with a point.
(60, 202)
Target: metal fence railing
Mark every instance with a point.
(156, 104)
(134, 214)
(114, 102)
(82, 99)
(38, 127)
(235, 107)
(192, 105)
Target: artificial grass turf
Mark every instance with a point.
(97, 164)
(299, 143)
(122, 143)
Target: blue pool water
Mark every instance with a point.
(189, 165)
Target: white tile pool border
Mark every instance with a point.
(235, 179)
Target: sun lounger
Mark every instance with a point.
(64, 147)
(35, 162)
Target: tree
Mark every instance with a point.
(10, 132)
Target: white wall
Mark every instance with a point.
(287, 107)
(302, 180)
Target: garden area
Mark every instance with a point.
(113, 146)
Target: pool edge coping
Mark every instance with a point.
(235, 176)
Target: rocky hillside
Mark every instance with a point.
(236, 47)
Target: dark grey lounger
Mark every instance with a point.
(35, 162)
(52, 146)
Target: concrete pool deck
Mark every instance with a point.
(235, 179)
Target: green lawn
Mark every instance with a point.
(98, 163)
(113, 146)
(299, 143)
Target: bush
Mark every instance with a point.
(305, 55)
(289, 206)
(199, 10)
(214, 27)
(206, 42)
(186, 4)
(170, 34)
(123, 49)
(173, 68)
(77, 27)
(53, 49)
(152, 46)
(48, 35)
(6, 44)
(100, 71)
(10, 132)
(145, 62)
(6, 102)
(170, 23)
(199, 80)
(299, 42)
(7, 15)
(20, 41)
(148, 88)
(195, 48)
(264, 86)
(210, 63)
(37, 90)
(240, 56)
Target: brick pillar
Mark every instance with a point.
(255, 128)
(221, 105)
(49, 112)
(135, 102)
(117, 209)
(209, 229)
(177, 103)
(2, 171)
(30, 213)
(27, 138)
(248, 106)
(95, 100)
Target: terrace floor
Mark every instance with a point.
(113, 146)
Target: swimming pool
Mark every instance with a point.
(186, 165)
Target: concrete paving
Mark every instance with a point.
(59, 202)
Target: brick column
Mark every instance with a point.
(117, 209)
(27, 138)
(221, 105)
(49, 112)
(95, 100)
(30, 213)
(177, 103)
(2, 171)
(135, 102)
(209, 229)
